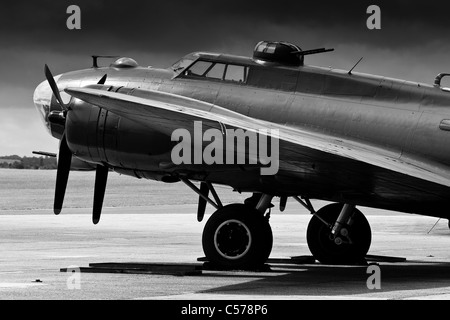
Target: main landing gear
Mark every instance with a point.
(339, 234)
(239, 236)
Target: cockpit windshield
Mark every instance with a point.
(184, 62)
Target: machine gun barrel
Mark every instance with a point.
(312, 51)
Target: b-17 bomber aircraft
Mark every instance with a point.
(267, 125)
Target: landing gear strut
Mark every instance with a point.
(339, 234)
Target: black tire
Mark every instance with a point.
(237, 236)
(323, 246)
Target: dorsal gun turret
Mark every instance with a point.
(283, 53)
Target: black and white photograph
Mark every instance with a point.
(224, 159)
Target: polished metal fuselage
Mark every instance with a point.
(406, 118)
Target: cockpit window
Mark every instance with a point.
(236, 73)
(216, 72)
(199, 68)
(182, 64)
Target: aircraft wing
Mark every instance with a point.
(386, 171)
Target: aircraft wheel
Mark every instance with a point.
(349, 247)
(237, 236)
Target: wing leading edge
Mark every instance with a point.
(176, 111)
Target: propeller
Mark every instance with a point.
(62, 174)
(65, 161)
(54, 87)
(65, 155)
(283, 200)
(101, 176)
(103, 79)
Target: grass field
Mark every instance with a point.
(34, 189)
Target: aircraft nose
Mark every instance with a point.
(42, 99)
(42, 94)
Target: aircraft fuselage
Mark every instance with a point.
(409, 119)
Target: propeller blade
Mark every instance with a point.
(103, 79)
(62, 174)
(101, 176)
(54, 87)
(204, 189)
(283, 201)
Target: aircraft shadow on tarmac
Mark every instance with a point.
(324, 280)
(285, 277)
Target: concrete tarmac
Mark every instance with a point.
(35, 245)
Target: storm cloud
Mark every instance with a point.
(33, 33)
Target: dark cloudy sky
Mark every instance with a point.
(413, 42)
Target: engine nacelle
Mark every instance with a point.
(98, 136)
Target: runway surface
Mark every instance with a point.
(148, 222)
(36, 245)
